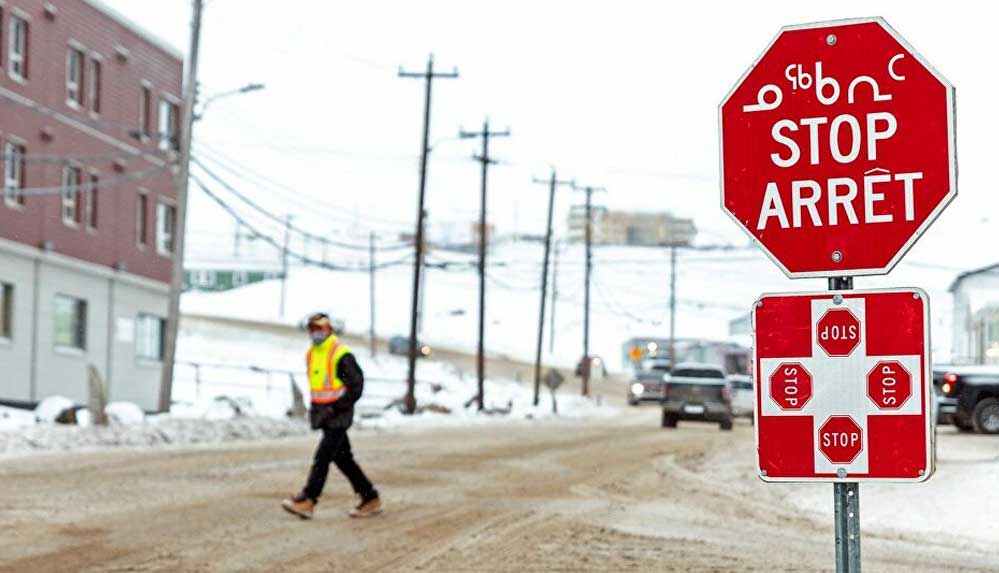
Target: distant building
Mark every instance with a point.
(89, 118)
(733, 358)
(218, 262)
(976, 316)
(226, 275)
(577, 224)
(631, 228)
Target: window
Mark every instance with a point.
(94, 86)
(90, 201)
(141, 208)
(145, 112)
(71, 195)
(168, 126)
(13, 174)
(166, 216)
(204, 278)
(149, 337)
(18, 48)
(6, 310)
(74, 77)
(70, 322)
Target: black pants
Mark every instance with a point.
(335, 448)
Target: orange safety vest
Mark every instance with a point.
(321, 362)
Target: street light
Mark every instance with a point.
(243, 90)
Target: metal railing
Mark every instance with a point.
(270, 380)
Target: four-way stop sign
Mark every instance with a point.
(844, 386)
(838, 148)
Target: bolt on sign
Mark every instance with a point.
(844, 386)
(838, 148)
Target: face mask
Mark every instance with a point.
(318, 337)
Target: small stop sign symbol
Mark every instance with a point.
(838, 332)
(790, 386)
(840, 439)
(889, 385)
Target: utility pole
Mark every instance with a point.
(180, 224)
(586, 297)
(551, 328)
(552, 183)
(284, 261)
(428, 76)
(485, 160)
(371, 266)
(423, 278)
(672, 305)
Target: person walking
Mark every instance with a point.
(336, 383)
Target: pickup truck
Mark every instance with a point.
(697, 392)
(968, 397)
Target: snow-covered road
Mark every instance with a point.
(608, 494)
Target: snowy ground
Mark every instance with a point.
(629, 297)
(955, 506)
(248, 369)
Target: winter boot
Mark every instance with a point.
(299, 505)
(370, 505)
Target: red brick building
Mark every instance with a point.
(89, 116)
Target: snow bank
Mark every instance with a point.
(14, 419)
(155, 432)
(124, 413)
(955, 503)
(50, 408)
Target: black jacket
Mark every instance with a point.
(340, 414)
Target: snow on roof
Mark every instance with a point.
(136, 28)
(993, 268)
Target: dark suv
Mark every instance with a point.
(697, 392)
(968, 397)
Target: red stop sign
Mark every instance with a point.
(838, 332)
(790, 386)
(889, 385)
(841, 439)
(838, 148)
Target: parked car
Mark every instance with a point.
(697, 392)
(660, 365)
(400, 345)
(646, 386)
(968, 397)
(743, 395)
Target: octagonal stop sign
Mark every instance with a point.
(790, 386)
(841, 439)
(838, 148)
(838, 332)
(889, 384)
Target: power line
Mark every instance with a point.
(277, 245)
(270, 215)
(289, 193)
(85, 187)
(59, 158)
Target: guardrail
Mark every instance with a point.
(270, 380)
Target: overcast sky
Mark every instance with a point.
(616, 94)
